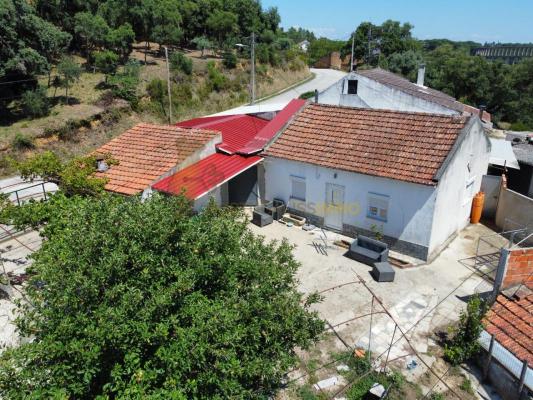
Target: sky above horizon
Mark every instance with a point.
(476, 20)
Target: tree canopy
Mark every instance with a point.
(29, 46)
(133, 299)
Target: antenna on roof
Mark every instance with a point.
(351, 59)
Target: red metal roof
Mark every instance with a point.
(265, 136)
(237, 130)
(200, 178)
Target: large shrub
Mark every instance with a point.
(179, 62)
(133, 299)
(35, 102)
(464, 343)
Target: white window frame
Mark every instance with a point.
(378, 206)
(298, 180)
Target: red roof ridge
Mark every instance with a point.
(399, 145)
(459, 117)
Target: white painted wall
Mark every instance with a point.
(410, 205)
(454, 199)
(202, 202)
(373, 94)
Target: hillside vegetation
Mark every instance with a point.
(75, 74)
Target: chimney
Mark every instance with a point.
(101, 165)
(316, 96)
(421, 75)
(481, 111)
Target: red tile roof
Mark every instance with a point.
(510, 321)
(265, 136)
(205, 175)
(145, 152)
(390, 79)
(392, 144)
(237, 130)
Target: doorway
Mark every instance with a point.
(334, 206)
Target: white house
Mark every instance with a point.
(304, 45)
(378, 88)
(409, 176)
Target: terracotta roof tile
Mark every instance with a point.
(392, 144)
(510, 320)
(390, 79)
(145, 152)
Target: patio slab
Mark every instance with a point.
(429, 295)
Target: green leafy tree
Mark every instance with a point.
(520, 106)
(167, 22)
(216, 80)
(92, 30)
(372, 42)
(229, 59)
(202, 43)
(132, 299)
(70, 72)
(464, 343)
(74, 177)
(28, 45)
(125, 83)
(121, 40)
(35, 102)
(106, 62)
(405, 63)
(222, 24)
(179, 62)
(322, 47)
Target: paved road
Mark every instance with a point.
(323, 79)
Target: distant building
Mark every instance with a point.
(304, 45)
(510, 54)
(381, 89)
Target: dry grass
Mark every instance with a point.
(86, 92)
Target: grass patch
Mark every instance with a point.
(22, 142)
(466, 386)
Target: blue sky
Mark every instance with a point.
(481, 21)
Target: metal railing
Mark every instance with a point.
(18, 197)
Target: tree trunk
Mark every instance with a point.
(49, 77)
(146, 48)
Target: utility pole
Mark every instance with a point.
(353, 44)
(369, 41)
(253, 67)
(168, 85)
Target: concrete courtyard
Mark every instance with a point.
(422, 300)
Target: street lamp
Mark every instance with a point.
(240, 45)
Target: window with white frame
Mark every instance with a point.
(378, 206)
(298, 188)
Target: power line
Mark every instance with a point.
(27, 80)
